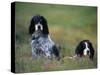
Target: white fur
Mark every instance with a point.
(86, 49)
(36, 26)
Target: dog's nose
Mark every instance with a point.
(39, 27)
(87, 52)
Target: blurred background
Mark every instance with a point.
(68, 25)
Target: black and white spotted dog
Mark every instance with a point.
(85, 48)
(41, 41)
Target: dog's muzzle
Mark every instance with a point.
(38, 27)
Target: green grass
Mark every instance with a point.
(68, 25)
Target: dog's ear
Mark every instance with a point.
(91, 50)
(32, 27)
(45, 25)
(79, 48)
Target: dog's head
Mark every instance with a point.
(85, 48)
(38, 23)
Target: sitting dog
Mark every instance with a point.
(41, 41)
(85, 48)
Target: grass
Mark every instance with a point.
(68, 25)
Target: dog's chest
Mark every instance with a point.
(42, 43)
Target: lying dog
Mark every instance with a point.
(85, 48)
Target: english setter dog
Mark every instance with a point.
(41, 41)
(85, 48)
